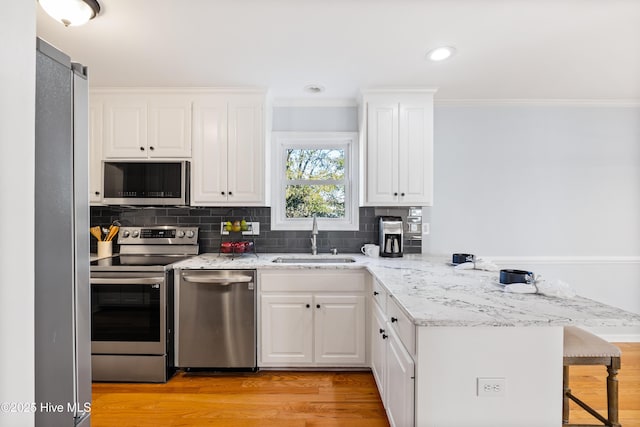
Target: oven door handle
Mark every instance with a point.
(224, 281)
(129, 281)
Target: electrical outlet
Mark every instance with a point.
(425, 228)
(492, 387)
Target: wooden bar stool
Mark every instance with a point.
(584, 348)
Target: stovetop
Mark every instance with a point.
(152, 248)
(137, 262)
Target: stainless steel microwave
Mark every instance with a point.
(146, 183)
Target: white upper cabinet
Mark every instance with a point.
(169, 126)
(95, 150)
(398, 148)
(209, 163)
(228, 166)
(146, 125)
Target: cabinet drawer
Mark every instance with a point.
(403, 326)
(379, 295)
(312, 281)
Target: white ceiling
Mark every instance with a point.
(507, 49)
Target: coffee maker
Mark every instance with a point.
(391, 228)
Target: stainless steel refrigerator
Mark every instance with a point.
(62, 292)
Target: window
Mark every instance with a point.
(315, 174)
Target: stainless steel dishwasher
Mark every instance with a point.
(216, 319)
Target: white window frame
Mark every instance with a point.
(347, 141)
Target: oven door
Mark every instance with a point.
(128, 313)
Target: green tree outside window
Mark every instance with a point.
(315, 183)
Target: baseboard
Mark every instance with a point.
(620, 337)
(613, 334)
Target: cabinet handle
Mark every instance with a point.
(151, 148)
(317, 305)
(141, 148)
(222, 193)
(394, 319)
(97, 193)
(381, 331)
(376, 293)
(308, 305)
(230, 193)
(384, 336)
(402, 194)
(395, 194)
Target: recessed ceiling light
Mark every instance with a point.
(314, 88)
(441, 53)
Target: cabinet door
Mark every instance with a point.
(382, 153)
(245, 162)
(209, 163)
(95, 150)
(169, 133)
(379, 336)
(415, 155)
(286, 329)
(400, 384)
(125, 127)
(339, 329)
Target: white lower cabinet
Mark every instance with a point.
(286, 328)
(339, 329)
(312, 319)
(392, 366)
(379, 335)
(400, 385)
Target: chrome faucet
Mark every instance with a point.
(314, 234)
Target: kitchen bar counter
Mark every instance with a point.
(433, 293)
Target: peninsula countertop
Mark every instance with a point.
(433, 293)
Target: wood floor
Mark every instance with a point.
(307, 399)
(588, 383)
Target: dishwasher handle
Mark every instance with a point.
(224, 281)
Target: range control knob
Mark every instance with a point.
(135, 233)
(180, 233)
(125, 233)
(190, 234)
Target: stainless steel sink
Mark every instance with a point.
(331, 260)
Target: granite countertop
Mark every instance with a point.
(433, 293)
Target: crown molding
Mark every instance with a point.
(179, 90)
(631, 102)
(315, 102)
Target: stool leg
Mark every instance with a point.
(612, 391)
(565, 399)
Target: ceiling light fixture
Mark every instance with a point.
(71, 12)
(441, 53)
(314, 88)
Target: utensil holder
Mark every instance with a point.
(105, 249)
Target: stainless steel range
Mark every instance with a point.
(132, 304)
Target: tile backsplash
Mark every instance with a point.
(269, 241)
